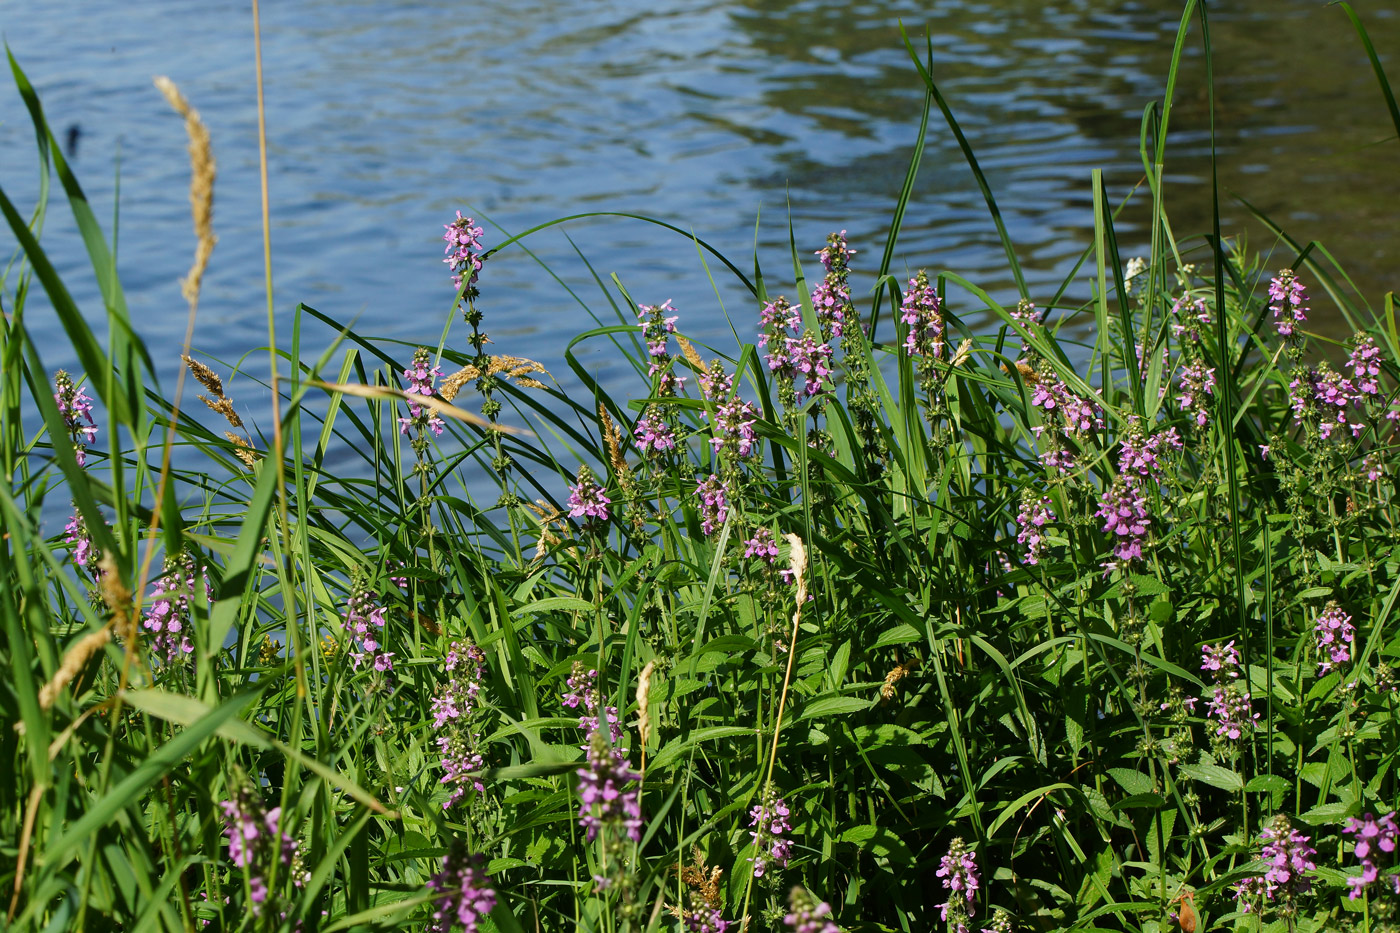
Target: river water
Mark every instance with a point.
(386, 117)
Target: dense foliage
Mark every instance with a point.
(872, 622)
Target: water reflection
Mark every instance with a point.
(386, 116)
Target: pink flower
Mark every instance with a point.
(76, 408)
(463, 240)
(420, 383)
(1289, 302)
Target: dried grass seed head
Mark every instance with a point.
(202, 172)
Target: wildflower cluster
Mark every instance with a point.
(256, 844)
(1031, 318)
(769, 823)
(76, 409)
(462, 893)
(583, 692)
(1373, 836)
(793, 352)
(807, 914)
(1229, 704)
(763, 546)
(171, 614)
(837, 319)
(1333, 633)
(1189, 316)
(1031, 521)
(1290, 857)
(1325, 397)
(85, 554)
(607, 791)
(734, 433)
(587, 500)
(832, 297)
(1288, 300)
(454, 708)
(657, 326)
(1195, 387)
(654, 435)
(922, 310)
(363, 615)
(958, 869)
(463, 257)
(1123, 506)
(714, 503)
(420, 383)
(1067, 418)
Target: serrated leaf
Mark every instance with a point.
(679, 746)
(1328, 813)
(833, 706)
(902, 634)
(879, 841)
(556, 603)
(1134, 782)
(1215, 776)
(726, 644)
(1139, 801)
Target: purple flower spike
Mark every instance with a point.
(657, 327)
(255, 843)
(1334, 634)
(1031, 520)
(734, 433)
(714, 503)
(1365, 365)
(1223, 661)
(76, 409)
(454, 707)
(1229, 705)
(763, 546)
(587, 499)
(769, 820)
(171, 613)
(654, 435)
(583, 692)
(959, 872)
(1288, 301)
(1373, 836)
(1195, 389)
(923, 312)
(807, 914)
(85, 554)
(364, 620)
(420, 383)
(832, 298)
(463, 243)
(463, 893)
(607, 791)
(1290, 857)
(1124, 511)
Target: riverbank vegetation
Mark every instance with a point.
(881, 618)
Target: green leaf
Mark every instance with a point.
(879, 841)
(834, 706)
(556, 604)
(679, 746)
(152, 768)
(1215, 776)
(901, 634)
(1134, 782)
(1330, 813)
